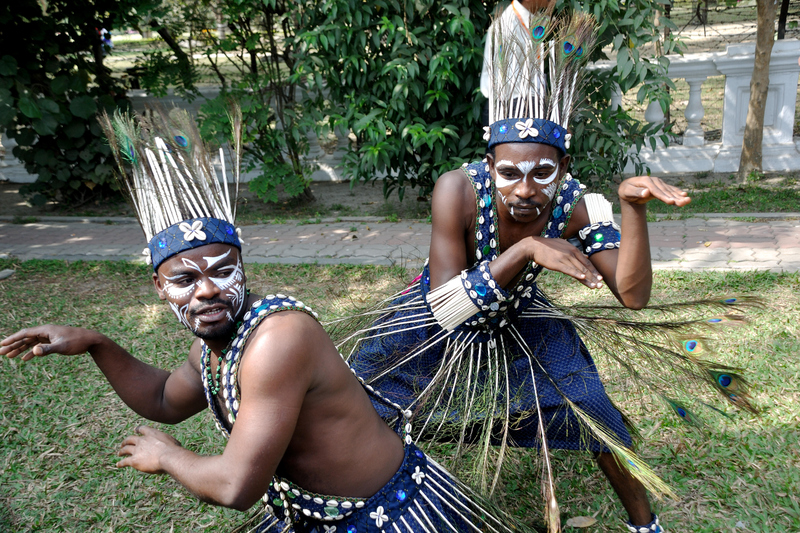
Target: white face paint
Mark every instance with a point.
(211, 261)
(550, 190)
(504, 164)
(231, 285)
(525, 167)
(180, 312)
(548, 179)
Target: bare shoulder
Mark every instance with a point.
(453, 194)
(454, 182)
(283, 344)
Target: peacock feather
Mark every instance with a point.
(168, 171)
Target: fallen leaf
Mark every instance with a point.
(581, 521)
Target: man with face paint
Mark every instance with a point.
(473, 345)
(299, 424)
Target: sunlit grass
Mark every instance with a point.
(61, 422)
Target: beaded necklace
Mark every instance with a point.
(214, 384)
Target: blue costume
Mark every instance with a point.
(536, 347)
(420, 497)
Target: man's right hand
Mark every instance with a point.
(561, 256)
(44, 340)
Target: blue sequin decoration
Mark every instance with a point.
(557, 211)
(181, 140)
(487, 200)
(229, 230)
(724, 380)
(503, 128)
(556, 134)
(162, 244)
(480, 288)
(691, 345)
(401, 495)
(419, 454)
(351, 529)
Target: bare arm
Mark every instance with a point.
(453, 208)
(153, 393)
(628, 271)
(275, 375)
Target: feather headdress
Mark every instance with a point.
(535, 76)
(170, 179)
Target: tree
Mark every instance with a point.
(52, 83)
(750, 160)
(255, 64)
(403, 76)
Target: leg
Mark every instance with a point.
(630, 491)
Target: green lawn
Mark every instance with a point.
(61, 422)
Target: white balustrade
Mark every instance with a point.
(781, 151)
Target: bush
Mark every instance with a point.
(403, 75)
(52, 83)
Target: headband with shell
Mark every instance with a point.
(535, 80)
(168, 174)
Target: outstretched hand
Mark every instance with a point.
(44, 340)
(642, 189)
(561, 256)
(144, 450)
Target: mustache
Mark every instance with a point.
(209, 303)
(525, 204)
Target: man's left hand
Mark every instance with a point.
(642, 189)
(145, 449)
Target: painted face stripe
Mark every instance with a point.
(211, 261)
(548, 179)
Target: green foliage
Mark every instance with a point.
(606, 139)
(52, 83)
(403, 75)
(255, 65)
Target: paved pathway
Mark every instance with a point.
(690, 244)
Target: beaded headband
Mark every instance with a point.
(535, 74)
(172, 182)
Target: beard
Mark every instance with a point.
(223, 333)
(217, 332)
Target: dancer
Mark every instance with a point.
(476, 349)
(299, 424)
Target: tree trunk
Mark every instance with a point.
(307, 196)
(759, 84)
(183, 60)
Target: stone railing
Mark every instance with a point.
(780, 150)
